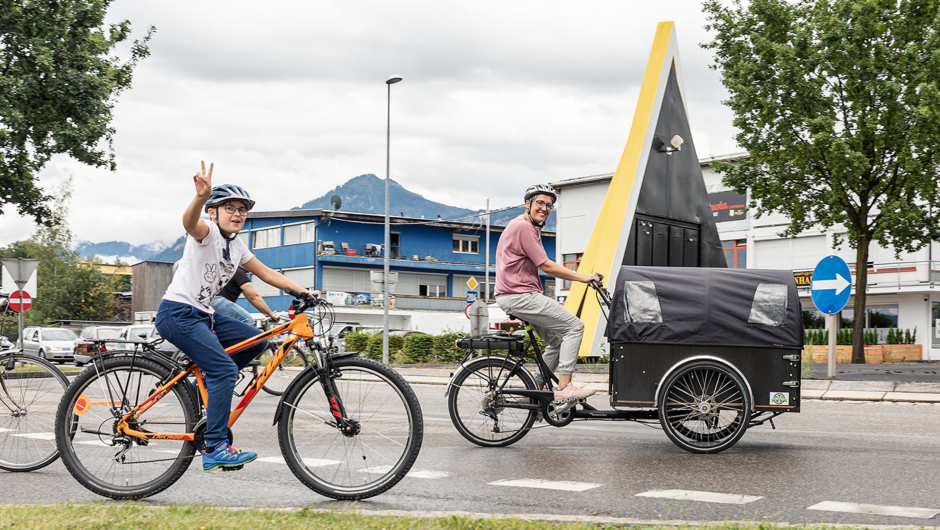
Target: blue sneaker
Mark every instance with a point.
(226, 457)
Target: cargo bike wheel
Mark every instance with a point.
(704, 407)
(476, 397)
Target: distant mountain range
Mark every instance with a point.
(365, 193)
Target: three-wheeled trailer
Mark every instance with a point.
(714, 351)
(706, 352)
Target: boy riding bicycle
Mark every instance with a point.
(186, 317)
(519, 257)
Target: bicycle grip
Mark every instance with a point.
(295, 294)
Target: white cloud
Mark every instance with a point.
(288, 99)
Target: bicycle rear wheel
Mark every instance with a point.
(290, 366)
(475, 398)
(108, 463)
(30, 390)
(374, 454)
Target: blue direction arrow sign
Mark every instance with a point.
(831, 285)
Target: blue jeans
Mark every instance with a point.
(231, 309)
(191, 330)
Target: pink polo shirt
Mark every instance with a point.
(518, 256)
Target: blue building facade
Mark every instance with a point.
(335, 251)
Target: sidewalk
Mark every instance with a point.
(905, 383)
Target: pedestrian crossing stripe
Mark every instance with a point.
(546, 484)
(875, 509)
(701, 496)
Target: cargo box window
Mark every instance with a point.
(770, 305)
(642, 304)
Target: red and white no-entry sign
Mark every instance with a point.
(20, 301)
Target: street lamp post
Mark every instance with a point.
(388, 237)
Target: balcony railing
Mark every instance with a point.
(899, 274)
(426, 254)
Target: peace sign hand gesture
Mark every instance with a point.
(203, 182)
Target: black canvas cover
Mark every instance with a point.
(706, 306)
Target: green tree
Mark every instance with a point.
(837, 102)
(68, 289)
(58, 83)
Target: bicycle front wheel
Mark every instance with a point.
(476, 400)
(379, 445)
(30, 390)
(115, 465)
(290, 366)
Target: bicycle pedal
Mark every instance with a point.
(233, 468)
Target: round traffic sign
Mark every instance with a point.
(831, 285)
(20, 301)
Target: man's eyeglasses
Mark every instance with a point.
(544, 205)
(229, 208)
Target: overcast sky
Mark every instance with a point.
(288, 99)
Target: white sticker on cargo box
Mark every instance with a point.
(779, 398)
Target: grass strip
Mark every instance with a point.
(118, 516)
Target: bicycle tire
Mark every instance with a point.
(474, 407)
(30, 391)
(123, 467)
(704, 407)
(359, 465)
(281, 378)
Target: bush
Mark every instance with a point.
(356, 341)
(445, 351)
(373, 349)
(419, 348)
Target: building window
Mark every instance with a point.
(296, 234)
(304, 277)
(267, 237)
(570, 261)
(432, 290)
(244, 237)
(735, 253)
(466, 244)
(263, 288)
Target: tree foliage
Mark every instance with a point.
(58, 83)
(838, 104)
(68, 288)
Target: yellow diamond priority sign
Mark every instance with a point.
(472, 283)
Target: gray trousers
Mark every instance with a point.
(560, 329)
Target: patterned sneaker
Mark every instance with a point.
(226, 457)
(571, 393)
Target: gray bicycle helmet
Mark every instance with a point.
(541, 189)
(228, 192)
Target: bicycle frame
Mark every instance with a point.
(299, 328)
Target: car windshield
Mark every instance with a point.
(109, 333)
(135, 333)
(58, 334)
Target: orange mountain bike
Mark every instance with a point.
(348, 427)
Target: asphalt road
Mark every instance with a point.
(868, 455)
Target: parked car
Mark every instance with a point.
(53, 344)
(145, 333)
(80, 353)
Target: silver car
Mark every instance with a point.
(53, 344)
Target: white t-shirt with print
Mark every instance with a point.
(203, 270)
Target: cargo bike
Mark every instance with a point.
(706, 352)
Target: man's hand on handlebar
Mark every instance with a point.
(305, 295)
(593, 277)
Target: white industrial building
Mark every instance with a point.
(901, 291)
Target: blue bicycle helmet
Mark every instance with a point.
(228, 192)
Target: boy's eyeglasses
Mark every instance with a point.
(232, 209)
(544, 205)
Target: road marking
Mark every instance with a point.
(874, 509)
(309, 462)
(701, 496)
(546, 484)
(414, 473)
(38, 435)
